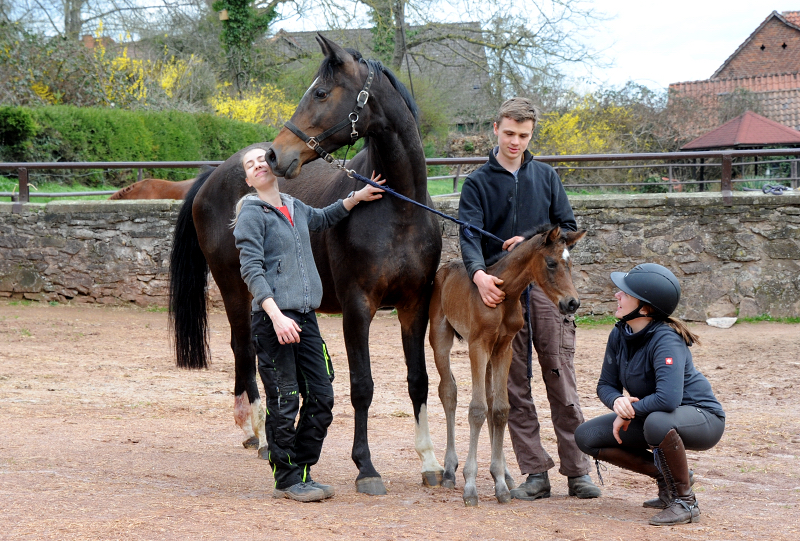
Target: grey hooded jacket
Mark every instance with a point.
(275, 258)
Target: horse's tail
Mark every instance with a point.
(188, 285)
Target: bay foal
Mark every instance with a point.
(456, 309)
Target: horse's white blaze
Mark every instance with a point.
(310, 87)
(423, 444)
(565, 255)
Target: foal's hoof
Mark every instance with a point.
(503, 496)
(250, 443)
(471, 501)
(263, 453)
(432, 478)
(371, 485)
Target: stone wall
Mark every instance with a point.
(743, 259)
(739, 260)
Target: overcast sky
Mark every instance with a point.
(658, 43)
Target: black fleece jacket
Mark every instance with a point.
(654, 365)
(494, 200)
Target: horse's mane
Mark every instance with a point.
(328, 67)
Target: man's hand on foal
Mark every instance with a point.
(487, 284)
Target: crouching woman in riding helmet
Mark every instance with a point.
(272, 236)
(670, 406)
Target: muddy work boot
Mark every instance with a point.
(582, 487)
(671, 459)
(301, 492)
(536, 486)
(327, 490)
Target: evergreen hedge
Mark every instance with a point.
(84, 134)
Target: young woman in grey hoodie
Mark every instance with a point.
(272, 235)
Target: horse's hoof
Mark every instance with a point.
(432, 478)
(264, 453)
(448, 483)
(503, 497)
(371, 485)
(250, 443)
(471, 501)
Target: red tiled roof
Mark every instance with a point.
(747, 130)
(792, 16)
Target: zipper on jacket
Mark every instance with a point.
(516, 203)
(279, 265)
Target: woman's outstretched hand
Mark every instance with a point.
(369, 192)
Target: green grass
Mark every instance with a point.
(443, 186)
(10, 185)
(767, 317)
(593, 321)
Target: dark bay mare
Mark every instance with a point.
(457, 309)
(385, 254)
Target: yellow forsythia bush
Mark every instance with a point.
(265, 105)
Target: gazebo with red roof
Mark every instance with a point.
(748, 130)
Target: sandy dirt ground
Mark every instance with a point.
(101, 437)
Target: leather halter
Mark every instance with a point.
(313, 142)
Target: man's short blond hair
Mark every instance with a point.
(518, 109)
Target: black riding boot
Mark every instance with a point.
(671, 459)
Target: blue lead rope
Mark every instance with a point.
(467, 228)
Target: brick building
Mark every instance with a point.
(762, 75)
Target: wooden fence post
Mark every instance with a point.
(24, 191)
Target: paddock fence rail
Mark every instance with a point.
(669, 162)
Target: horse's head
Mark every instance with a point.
(332, 100)
(553, 267)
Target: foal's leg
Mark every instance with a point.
(498, 413)
(357, 315)
(441, 339)
(478, 358)
(413, 322)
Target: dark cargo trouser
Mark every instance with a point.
(289, 371)
(554, 342)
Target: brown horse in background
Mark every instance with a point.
(456, 309)
(155, 188)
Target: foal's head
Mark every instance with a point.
(551, 265)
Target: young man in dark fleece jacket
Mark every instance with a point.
(509, 196)
(272, 235)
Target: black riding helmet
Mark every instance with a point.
(653, 284)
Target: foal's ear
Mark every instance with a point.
(336, 55)
(553, 235)
(574, 236)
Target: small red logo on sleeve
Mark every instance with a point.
(669, 360)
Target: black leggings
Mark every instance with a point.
(698, 428)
